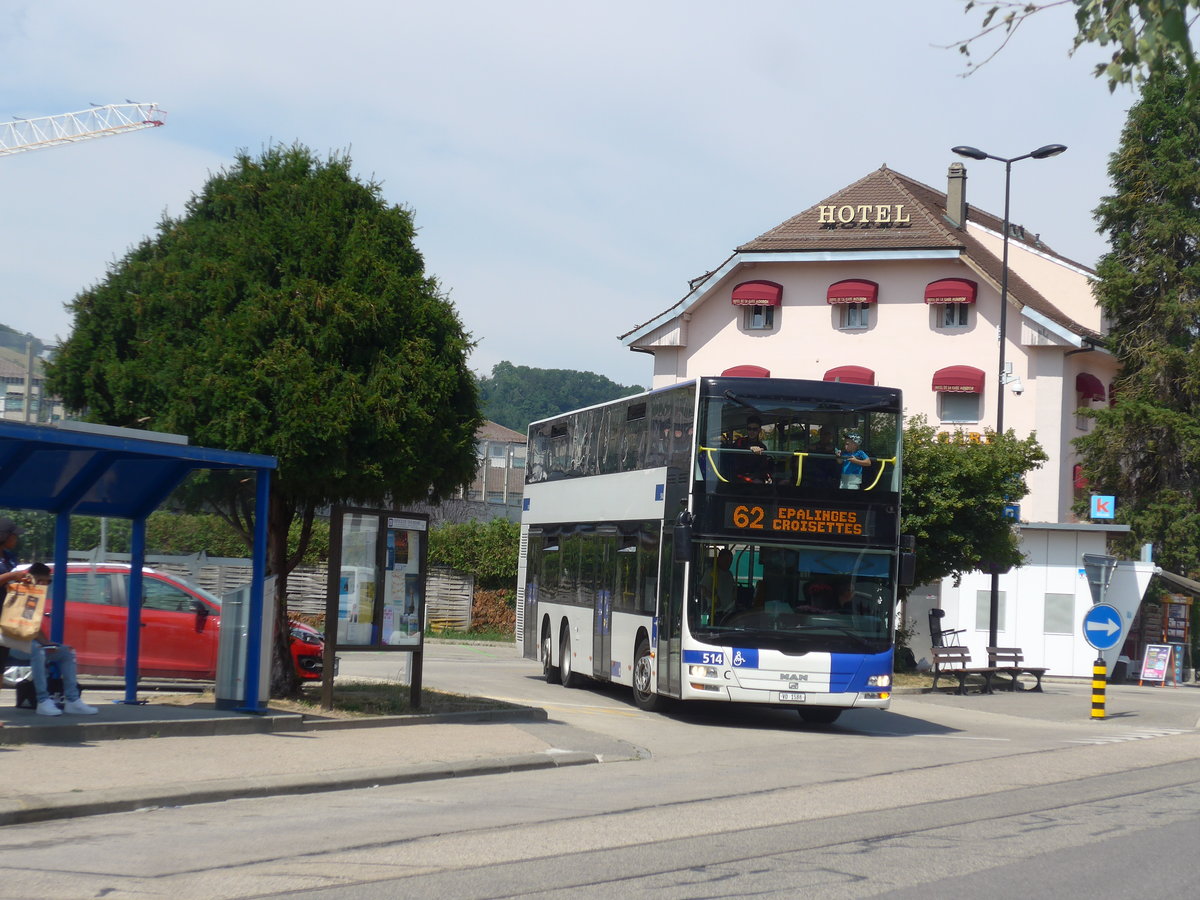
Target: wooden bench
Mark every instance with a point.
(955, 662)
(1010, 662)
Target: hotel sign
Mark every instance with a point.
(864, 215)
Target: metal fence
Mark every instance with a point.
(448, 600)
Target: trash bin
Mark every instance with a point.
(233, 646)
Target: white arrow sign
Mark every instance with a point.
(1108, 626)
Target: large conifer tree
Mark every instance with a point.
(1145, 449)
(287, 312)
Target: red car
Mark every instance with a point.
(181, 623)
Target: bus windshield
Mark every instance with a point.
(793, 598)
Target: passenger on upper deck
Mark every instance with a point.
(854, 460)
(823, 468)
(756, 465)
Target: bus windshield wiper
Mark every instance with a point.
(734, 398)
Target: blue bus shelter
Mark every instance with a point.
(73, 468)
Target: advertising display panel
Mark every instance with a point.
(375, 596)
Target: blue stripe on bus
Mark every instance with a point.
(850, 671)
(704, 657)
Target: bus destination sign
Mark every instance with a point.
(780, 518)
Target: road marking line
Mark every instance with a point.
(1130, 736)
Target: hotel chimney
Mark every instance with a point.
(956, 195)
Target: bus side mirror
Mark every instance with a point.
(908, 560)
(681, 548)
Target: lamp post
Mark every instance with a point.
(973, 153)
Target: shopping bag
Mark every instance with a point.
(24, 606)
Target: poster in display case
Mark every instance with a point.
(375, 596)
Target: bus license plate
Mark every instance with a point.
(784, 697)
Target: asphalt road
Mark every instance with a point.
(997, 796)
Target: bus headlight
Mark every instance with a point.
(880, 681)
(702, 672)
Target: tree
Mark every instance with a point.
(487, 550)
(954, 494)
(287, 312)
(1145, 35)
(1145, 448)
(514, 396)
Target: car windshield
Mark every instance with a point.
(161, 582)
(792, 597)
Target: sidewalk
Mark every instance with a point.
(132, 757)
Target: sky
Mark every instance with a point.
(570, 166)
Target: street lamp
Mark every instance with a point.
(974, 153)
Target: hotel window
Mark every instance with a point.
(951, 299)
(854, 315)
(758, 300)
(1089, 388)
(953, 315)
(960, 393)
(958, 408)
(853, 298)
(759, 318)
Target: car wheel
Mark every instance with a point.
(549, 672)
(643, 677)
(819, 715)
(566, 673)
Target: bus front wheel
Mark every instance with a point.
(643, 679)
(567, 674)
(819, 715)
(549, 672)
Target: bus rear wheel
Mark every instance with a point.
(549, 672)
(643, 679)
(819, 715)
(567, 675)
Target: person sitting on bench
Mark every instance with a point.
(41, 651)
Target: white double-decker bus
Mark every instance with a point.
(727, 539)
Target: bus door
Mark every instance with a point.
(670, 617)
(605, 579)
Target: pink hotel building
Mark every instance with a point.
(892, 282)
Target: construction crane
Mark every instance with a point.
(99, 121)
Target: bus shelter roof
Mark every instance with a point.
(71, 467)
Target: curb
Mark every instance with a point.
(244, 723)
(517, 714)
(24, 809)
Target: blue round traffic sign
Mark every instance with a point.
(1102, 627)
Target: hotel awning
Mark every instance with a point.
(1089, 386)
(757, 293)
(850, 375)
(950, 290)
(747, 372)
(852, 290)
(958, 380)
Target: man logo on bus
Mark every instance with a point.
(793, 676)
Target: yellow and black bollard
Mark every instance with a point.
(1099, 682)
